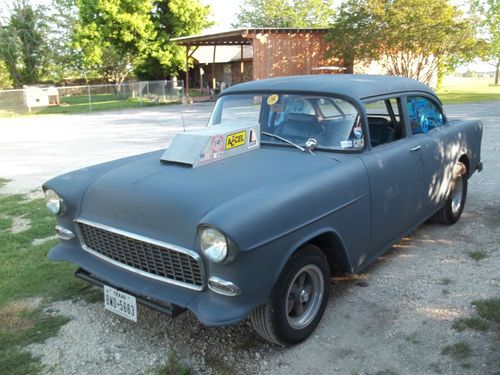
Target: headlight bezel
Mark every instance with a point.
(229, 246)
(54, 202)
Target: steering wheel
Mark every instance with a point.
(424, 123)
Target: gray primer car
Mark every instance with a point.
(295, 179)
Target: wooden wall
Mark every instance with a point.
(282, 54)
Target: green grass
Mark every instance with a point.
(458, 351)
(3, 182)
(173, 367)
(474, 322)
(456, 90)
(478, 255)
(20, 326)
(26, 272)
(488, 309)
(80, 104)
(106, 102)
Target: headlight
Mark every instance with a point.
(213, 244)
(54, 201)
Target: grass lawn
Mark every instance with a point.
(456, 90)
(25, 272)
(80, 104)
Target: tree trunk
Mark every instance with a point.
(497, 72)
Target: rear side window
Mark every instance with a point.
(424, 114)
(384, 121)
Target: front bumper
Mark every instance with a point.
(210, 308)
(165, 308)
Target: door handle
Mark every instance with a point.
(416, 148)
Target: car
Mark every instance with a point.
(294, 179)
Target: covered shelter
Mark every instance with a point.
(263, 53)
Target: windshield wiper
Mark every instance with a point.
(284, 140)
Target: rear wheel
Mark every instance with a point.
(297, 301)
(452, 210)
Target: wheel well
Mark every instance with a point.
(329, 243)
(465, 161)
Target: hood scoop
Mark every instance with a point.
(210, 145)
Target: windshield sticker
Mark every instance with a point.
(358, 143)
(252, 139)
(345, 144)
(235, 140)
(358, 131)
(273, 99)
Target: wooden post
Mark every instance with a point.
(214, 84)
(242, 66)
(187, 71)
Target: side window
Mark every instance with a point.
(384, 121)
(424, 114)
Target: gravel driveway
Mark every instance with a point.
(395, 322)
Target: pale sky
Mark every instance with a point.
(223, 11)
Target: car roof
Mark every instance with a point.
(356, 86)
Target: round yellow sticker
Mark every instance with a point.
(273, 99)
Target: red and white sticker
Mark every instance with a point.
(253, 140)
(218, 146)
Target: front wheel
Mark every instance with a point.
(297, 301)
(452, 210)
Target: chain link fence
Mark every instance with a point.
(89, 98)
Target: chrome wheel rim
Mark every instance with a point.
(456, 197)
(304, 296)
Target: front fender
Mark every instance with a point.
(270, 223)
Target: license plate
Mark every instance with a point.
(120, 303)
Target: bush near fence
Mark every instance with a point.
(79, 99)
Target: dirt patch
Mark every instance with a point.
(41, 241)
(20, 224)
(13, 316)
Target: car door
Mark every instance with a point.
(425, 117)
(394, 168)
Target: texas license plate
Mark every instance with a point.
(120, 303)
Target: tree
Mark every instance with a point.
(65, 60)
(114, 34)
(490, 11)
(23, 47)
(285, 13)
(172, 18)
(5, 80)
(409, 38)
(118, 35)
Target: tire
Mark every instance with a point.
(452, 209)
(298, 299)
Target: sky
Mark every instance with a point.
(223, 11)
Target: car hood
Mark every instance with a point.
(166, 201)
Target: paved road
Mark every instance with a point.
(36, 148)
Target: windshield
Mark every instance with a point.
(332, 122)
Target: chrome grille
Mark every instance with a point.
(148, 257)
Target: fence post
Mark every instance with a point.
(90, 98)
